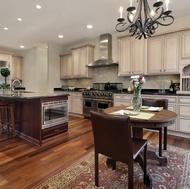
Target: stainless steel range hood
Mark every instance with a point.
(105, 53)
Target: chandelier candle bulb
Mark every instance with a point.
(167, 5)
(131, 3)
(121, 11)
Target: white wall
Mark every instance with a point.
(54, 67)
(34, 69)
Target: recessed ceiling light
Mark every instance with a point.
(5, 28)
(21, 46)
(19, 19)
(38, 6)
(89, 26)
(60, 36)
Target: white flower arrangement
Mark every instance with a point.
(137, 81)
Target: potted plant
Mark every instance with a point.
(5, 72)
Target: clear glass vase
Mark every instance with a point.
(137, 101)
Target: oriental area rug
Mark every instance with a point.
(80, 175)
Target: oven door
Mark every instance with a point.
(100, 104)
(87, 106)
(54, 113)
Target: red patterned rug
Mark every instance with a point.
(80, 175)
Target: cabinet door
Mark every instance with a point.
(82, 69)
(77, 103)
(171, 53)
(173, 108)
(75, 61)
(139, 56)
(185, 42)
(16, 68)
(81, 57)
(124, 56)
(66, 66)
(155, 55)
(122, 99)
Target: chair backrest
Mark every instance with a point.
(155, 102)
(112, 136)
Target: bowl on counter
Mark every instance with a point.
(71, 88)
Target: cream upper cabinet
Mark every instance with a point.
(16, 67)
(185, 44)
(163, 54)
(65, 66)
(155, 55)
(81, 56)
(132, 56)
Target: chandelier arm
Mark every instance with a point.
(164, 18)
(122, 25)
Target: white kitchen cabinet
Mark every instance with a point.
(66, 66)
(184, 114)
(76, 103)
(185, 44)
(163, 54)
(5, 57)
(16, 68)
(132, 56)
(172, 106)
(81, 56)
(122, 99)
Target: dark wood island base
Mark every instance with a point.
(29, 116)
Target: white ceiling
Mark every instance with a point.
(66, 17)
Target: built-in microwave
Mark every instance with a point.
(54, 113)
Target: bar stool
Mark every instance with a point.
(7, 119)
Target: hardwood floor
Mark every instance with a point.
(24, 165)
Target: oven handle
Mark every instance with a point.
(87, 98)
(102, 100)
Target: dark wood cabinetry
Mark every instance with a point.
(28, 118)
(46, 133)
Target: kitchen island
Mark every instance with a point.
(38, 116)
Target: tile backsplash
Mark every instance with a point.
(109, 74)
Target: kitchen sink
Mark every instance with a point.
(20, 91)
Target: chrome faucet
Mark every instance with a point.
(13, 84)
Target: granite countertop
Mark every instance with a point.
(29, 95)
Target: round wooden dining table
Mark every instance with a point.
(158, 119)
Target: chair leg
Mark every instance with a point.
(130, 176)
(165, 137)
(160, 142)
(96, 170)
(145, 164)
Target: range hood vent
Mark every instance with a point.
(105, 53)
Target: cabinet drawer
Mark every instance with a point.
(184, 125)
(122, 103)
(49, 132)
(184, 110)
(122, 96)
(77, 94)
(184, 100)
(171, 99)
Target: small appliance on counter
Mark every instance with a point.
(174, 87)
(108, 86)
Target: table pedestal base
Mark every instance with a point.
(152, 155)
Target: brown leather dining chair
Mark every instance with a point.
(112, 138)
(158, 103)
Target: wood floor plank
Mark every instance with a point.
(24, 165)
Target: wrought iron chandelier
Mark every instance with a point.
(144, 23)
